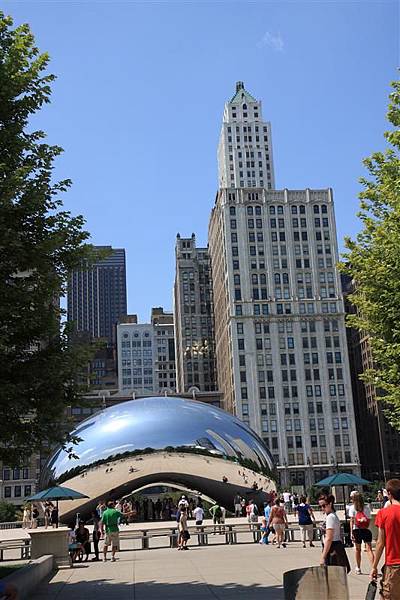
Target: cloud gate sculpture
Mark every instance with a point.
(162, 440)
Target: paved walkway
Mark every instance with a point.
(239, 572)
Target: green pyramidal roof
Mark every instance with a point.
(241, 95)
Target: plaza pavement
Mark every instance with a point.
(239, 572)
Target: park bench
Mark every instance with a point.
(144, 535)
(23, 545)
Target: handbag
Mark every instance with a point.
(371, 590)
(337, 556)
(186, 535)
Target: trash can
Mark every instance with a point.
(316, 583)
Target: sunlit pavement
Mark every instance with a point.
(208, 572)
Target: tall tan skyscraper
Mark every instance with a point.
(279, 316)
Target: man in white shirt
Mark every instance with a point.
(198, 515)
(286, 500)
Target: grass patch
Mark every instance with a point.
(4, 571)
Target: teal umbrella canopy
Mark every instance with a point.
(342, 479)
(57, 493)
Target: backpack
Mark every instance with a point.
(218, 512)
(361, 520)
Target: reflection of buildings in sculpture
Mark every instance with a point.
(379, 443)
(153, 440)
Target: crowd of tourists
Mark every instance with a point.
(273, 520)
(31, 515)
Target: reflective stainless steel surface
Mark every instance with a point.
(162, 439)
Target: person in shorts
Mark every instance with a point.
(216, 514)
(388, 522)
(278, 520)
(109, 522)
(199, 514)
(360, 517)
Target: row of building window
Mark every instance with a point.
(279, 209)
(15, 474)
(16, 491)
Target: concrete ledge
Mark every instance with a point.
(28, 578)
(329, 583)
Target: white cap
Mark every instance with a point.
(354, 492)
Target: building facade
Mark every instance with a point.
(96, 296)
(146, 355)
(245, 145)
(136, 358)
(279, 317)
(193, 315)
(164, 339)
(18, 483)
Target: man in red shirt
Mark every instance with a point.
(388, 523)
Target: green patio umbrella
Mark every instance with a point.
(342, 479)
(56, 493)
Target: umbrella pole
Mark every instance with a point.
(57, 515)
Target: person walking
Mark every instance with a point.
(360, 518)
(333, 552)
(278, 520)
(388, 522)
(47, 513)
(306, 521)
(109, 523)
(34, 516)
(184, 534)
(286, 500)
(54, 516)
(237, 505)
(264, 530)
(216, 514)
(223, 515)
(96, 535)
(26, 518)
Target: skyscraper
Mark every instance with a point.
(279, 315)
(193, 317)
(245, 144)
(97, 295)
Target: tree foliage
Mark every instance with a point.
(373, 262)
(8, 512)
(39, 244)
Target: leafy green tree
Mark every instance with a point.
(8, 512)
(373, 262)
(39, 244)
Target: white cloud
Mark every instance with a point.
(273, 41)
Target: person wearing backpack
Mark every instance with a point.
(360, 517)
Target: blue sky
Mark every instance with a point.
(138, 103)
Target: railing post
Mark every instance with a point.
(145, 540)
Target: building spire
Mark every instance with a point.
(241, 94)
